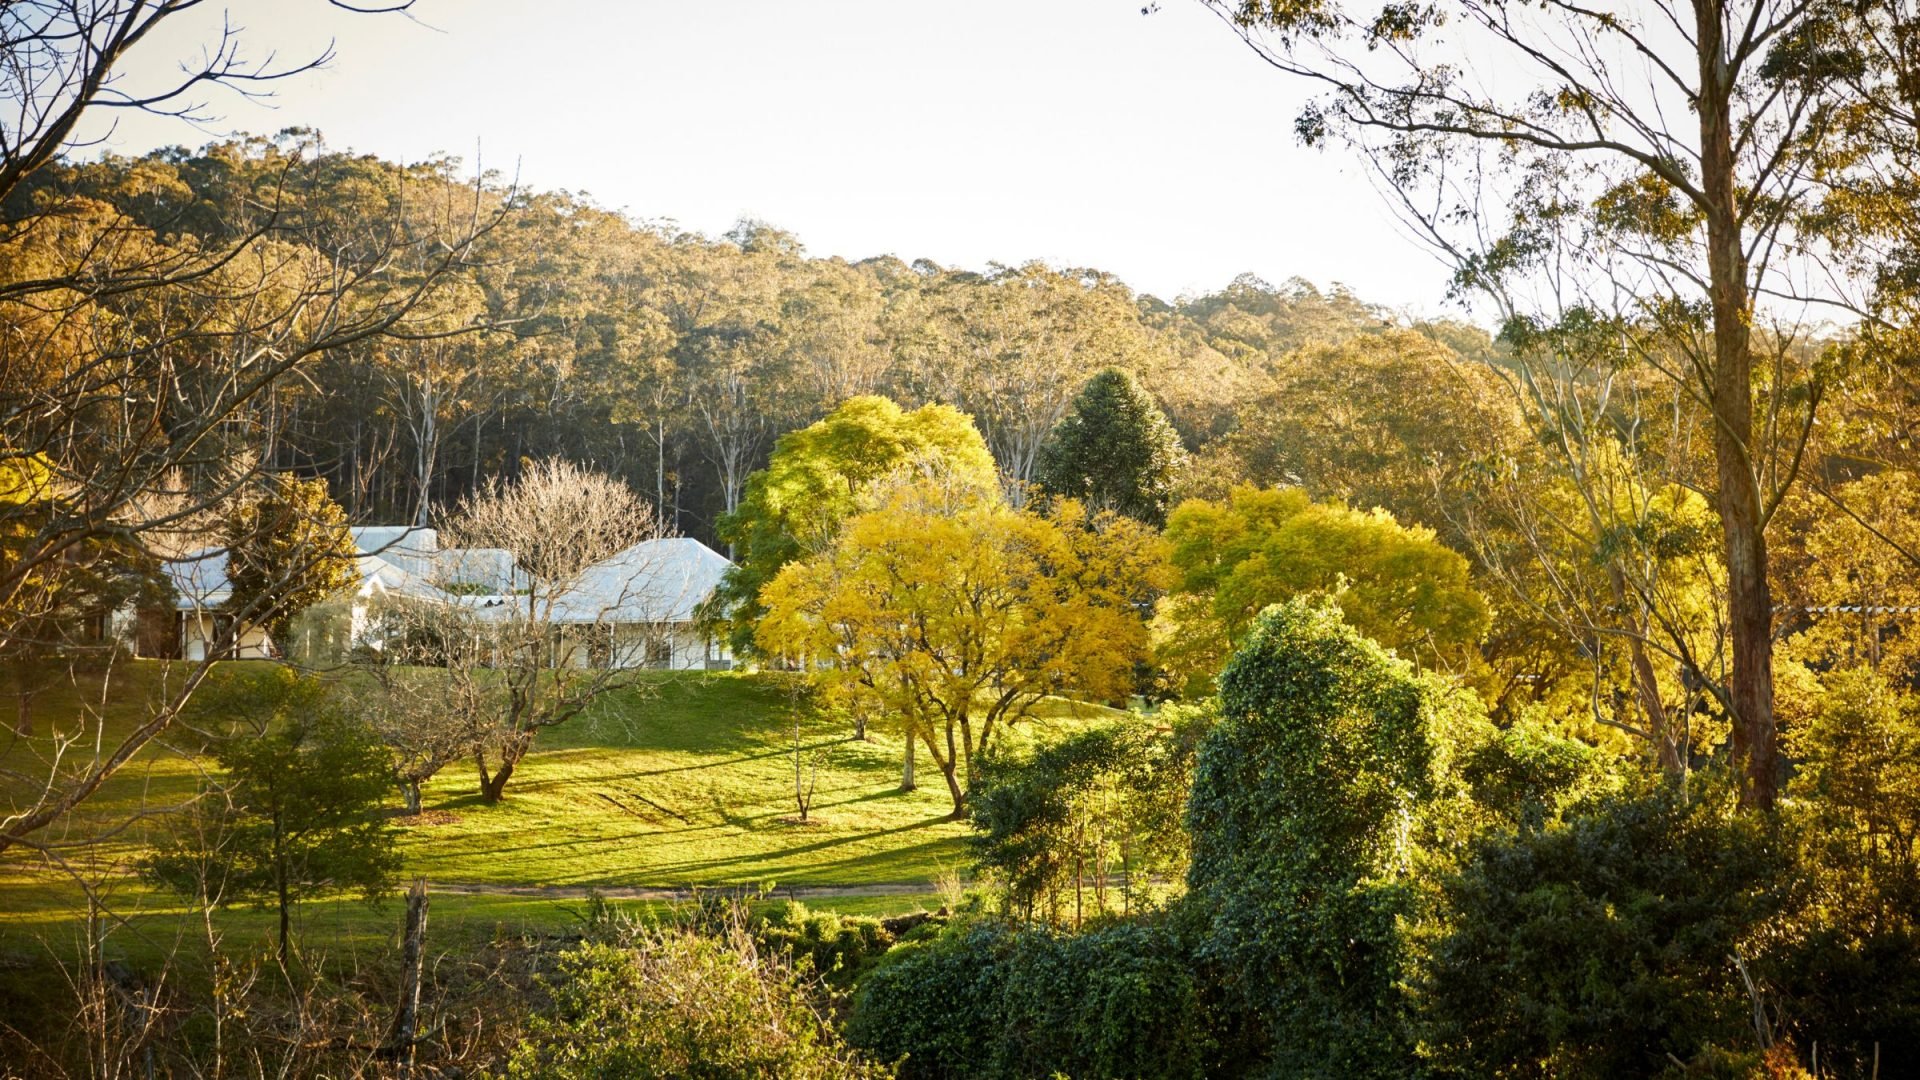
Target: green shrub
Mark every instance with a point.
(1524, 777)
(838, 948)
(1847, 969)
(672, 1002)
(1083, 827)
(1852, 992)
(992, 1001)
(1603, 945)
(296, 810)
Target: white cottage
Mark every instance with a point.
(648, 595)
(200, 593)
(635, 609)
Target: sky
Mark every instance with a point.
(1082, 132)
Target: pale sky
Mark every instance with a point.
(1076, 131)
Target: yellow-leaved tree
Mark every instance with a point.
(955, 614)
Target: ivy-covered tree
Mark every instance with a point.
(1304, 800)
(287, 550)
(1114, 450)
(297, 811)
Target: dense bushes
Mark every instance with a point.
(1605, 945)
(1092, 823)
(680, 1002)
(1847, 972)
(837, 948)
(1383, 884)
(993, 1001)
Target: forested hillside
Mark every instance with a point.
(668, 358)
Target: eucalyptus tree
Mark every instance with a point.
(1014, 346)
(730, 354)
(1665, 166)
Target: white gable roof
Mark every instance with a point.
(199, 580)
(412, 548)
(486, 570)
(380, 577)
(654, 581)
(400, 568)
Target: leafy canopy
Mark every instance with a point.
(1396, 584)
(298, 809)
(826, 472)
(288, 550)
(955, 613)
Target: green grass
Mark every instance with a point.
(684, 781)
(692, 783)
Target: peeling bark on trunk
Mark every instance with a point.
(1742, 516)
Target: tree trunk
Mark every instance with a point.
(906, 771)
(1742, 517)
(660, 467)
(286, 907)
(410, 792)
(1667, 750)
(950, 771)
(1646, 685)
(799, 793)
(493, 788)
(426, 449)
(400, 1040)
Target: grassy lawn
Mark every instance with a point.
(691, 782)
(686, 780)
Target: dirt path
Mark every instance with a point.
(643, 892)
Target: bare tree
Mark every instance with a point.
(133, 367)
(579, 620)
(64, 62)
(425, 717)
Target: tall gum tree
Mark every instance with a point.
(1666, 163)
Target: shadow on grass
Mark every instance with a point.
(570, 861)
(783, 853)
(785, 751)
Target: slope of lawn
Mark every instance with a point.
(687, 779)
(691, 781)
